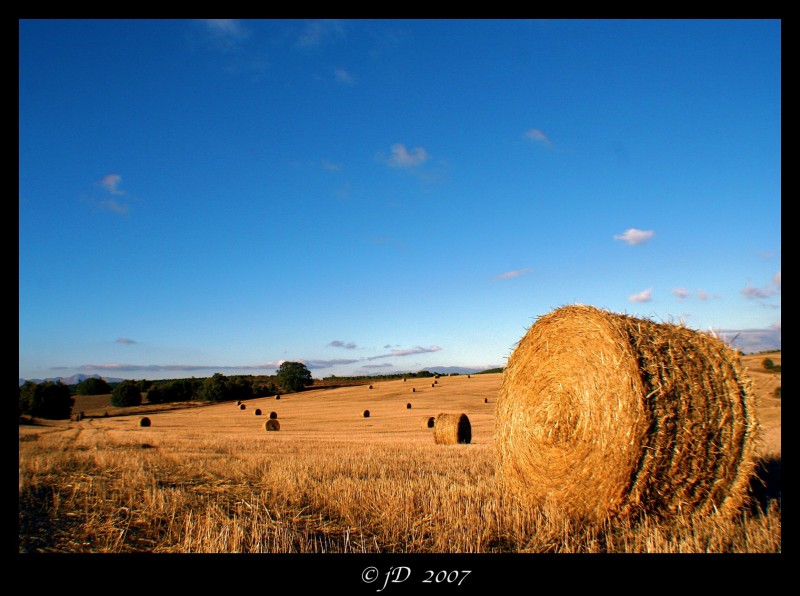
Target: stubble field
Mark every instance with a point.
(210, 479)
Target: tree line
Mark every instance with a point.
(54, 400)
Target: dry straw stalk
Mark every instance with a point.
(450, 429)
(605, 414)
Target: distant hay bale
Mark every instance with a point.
(273, 415)
(144, 421)
(271, 425)
(486, 400)
(432, 385)
(450, 429)
(469, 377)
(370, 386)
(408, 406)
(242, 407)
(239, 403)
(277, 397)
(413, 390)
(257, 412)
(427, 422)
(436, 382)
(404, 380)
(366, 413)
(607, 415)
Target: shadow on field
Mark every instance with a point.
(765, 485)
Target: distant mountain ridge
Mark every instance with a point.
(73, 380)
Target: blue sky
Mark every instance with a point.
(392, 195)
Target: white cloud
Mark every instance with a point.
(336, 343)
(539, 136)
(513, 273)
(317, 32)
(643, 296)
(125, 340)
(403, 158)
(705, 295)
(634, 236)
(344, 77)
(225, 34)
(407, 352)
(681, 293)
(111, 183)
(751, 292)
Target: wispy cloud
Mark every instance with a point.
(330, 166)
(125, 340)
(681, 293)
(315, 33)
(643, 296)
(751, 292)
(112, 195)
(403, 158)
(513, 273)
(634, 236)
(536, 134)
(384, 365)
(343, 77)
(336, 343)
(226, 34)
(111, 183)
(703, 295)
(407, 352)
(314, 364)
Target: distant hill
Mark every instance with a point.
(73, 380)
(446, 370)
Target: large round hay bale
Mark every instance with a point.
(271, 425)
(449, 429)
(144, 421)
(605, 414)
(370, 386)
(257, 412)
(366, 413)
(413, 390)
(273, 415)
(277, 397)
(408, 406)
(427, 422)
(242, 406)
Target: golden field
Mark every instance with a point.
(210, 479)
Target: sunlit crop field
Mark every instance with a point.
(210, 479)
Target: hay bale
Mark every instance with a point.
(408, 406)
(432, 385)
(607, 415)
(144, 421)
(366, 413)
(450, 429)
(413, 390)
(273, 415)
(257, 412)
(242, 407)
(486, 400)
(239, 403)
(271, 425)
(427, 422)
(370, 386)
(277, 397)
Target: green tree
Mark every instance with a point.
(768, 363)
(93, 386)
(293, 376)
(46, 400)
(126, 394)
